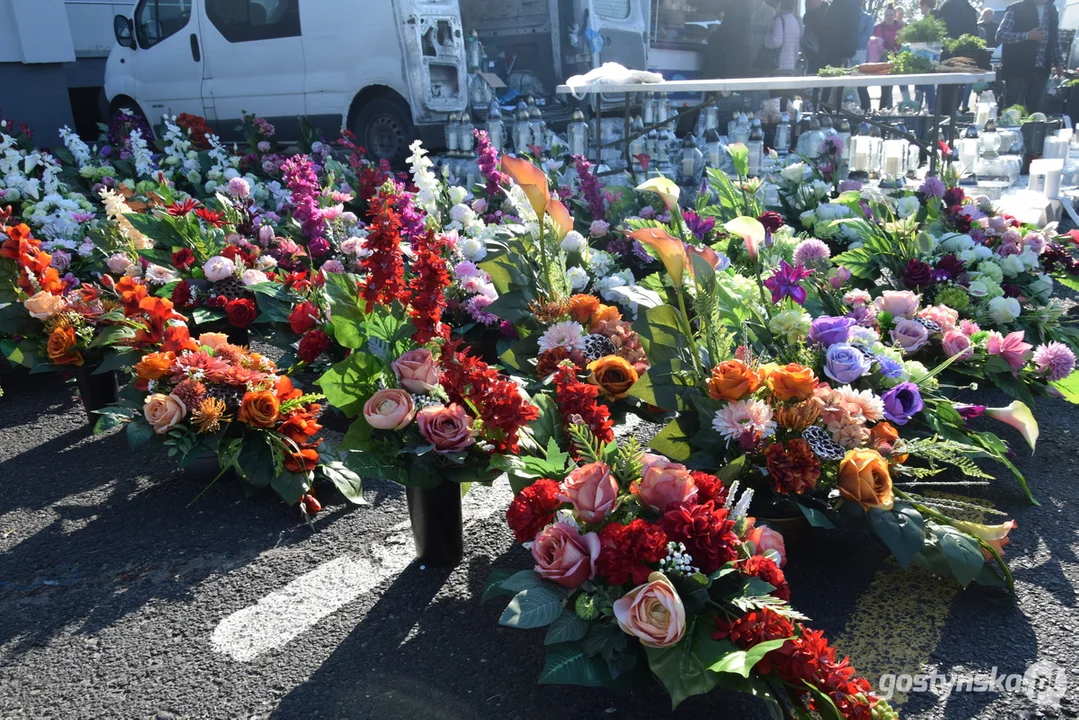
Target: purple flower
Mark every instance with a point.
(968, 411)
(839, 277)
(319, 246)
(591, 188)
(889, 367)
(828, 330)
(302, 182)
(933, 187)
(786, 282)
(954, 196)
(845, 364)
(487, 160)
(902, 402)
(698, 225)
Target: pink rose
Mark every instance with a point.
(909, 335)
(565, 556)
(664, 484)
(449, 429)
(956, 343)
(390, 409)
(592, 490)
(652, 612)
(898, 303)
(417, 371)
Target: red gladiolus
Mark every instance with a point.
(428, 286)
(385, 266)
(533, 509)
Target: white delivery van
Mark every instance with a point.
(389, 70)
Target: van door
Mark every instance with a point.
(623, 27)
(168, 63)
(254, 64)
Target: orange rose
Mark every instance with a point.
(581, 307)
(732, 380)
(154, 366)
(605, 313)
(883, 437)
(789, 382)
(259, 409)
(61, 347)
(864, 479)
(614, 375)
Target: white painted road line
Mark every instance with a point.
(285, 614)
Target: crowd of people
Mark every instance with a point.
(767, 37)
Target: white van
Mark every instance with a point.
(389, 70)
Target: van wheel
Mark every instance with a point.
(385, 128)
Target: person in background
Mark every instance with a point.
(988, 28)
(727, 54)
(786, 36)
(887, 30)
(927, 92)
(861, 54)
(761, 17)
(1029, 33)
(814, 35)
(961, 18)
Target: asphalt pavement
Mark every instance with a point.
(122, 596)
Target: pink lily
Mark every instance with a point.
(1010, 347)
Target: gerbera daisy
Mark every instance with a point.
(568, 335)
(744, 416)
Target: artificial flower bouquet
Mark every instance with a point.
(645, 567)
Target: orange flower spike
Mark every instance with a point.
(531, 179)
(671, 250)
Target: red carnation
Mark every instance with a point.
(759, 566)
(706, 532)
(181, 294)
(313, 344)
(628, 553)
(303, 317)
(533, 509)
(709, 487)
(241, 312)
(792, 468)
(183, 258)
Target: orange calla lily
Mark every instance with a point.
(671, 250)
(531, 179)
(704, 252)
(563, 221)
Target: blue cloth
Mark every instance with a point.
(865, 30)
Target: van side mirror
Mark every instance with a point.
(121, 27)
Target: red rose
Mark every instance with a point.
(771, 220)
(706, 532)
(533, 509)
(630, 552)
(313, 344)
(181, 295)
(709, 487)
(241, 312)
(303, 317)
(183, 258)
(761, 567)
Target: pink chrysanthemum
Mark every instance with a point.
(568, 335)
(744, 416)
(810, 252)
(475, 307)
(1054, 360)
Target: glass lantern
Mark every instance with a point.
(844, 133)
(986, 110)
(577, 134)
(707, 120)
(692, 165)
(649, 109)
(968, 147)
(914, 159)
(522, 131)
(783, 135)
(894, 166)
(652, 145)
(741, 130)
(731, 125)
(811, 142)
(663, 145)
(713, 147)
(538, 127)
(496, 128)
(466, 140)
(453, 133)
(638, 144)
(990, 140)
(827, 129)
(756, 148)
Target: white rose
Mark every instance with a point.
(457, 194)
(253, 277)
(218, 268)
(907, 206)
(461, 213)
(473, 249)
(1004, 310)
(1011, 265)
(1029, 260)
(794, 172)
(574, 242)
(577, 277)
(982, 252)
(977, 288)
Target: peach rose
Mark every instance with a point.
(592, 490)
(416, 371)
(214, 341)
(389, 409)
(732, 380)
(789, 382)
(762, 539)
(864, 479)
(449, 429)
(582, 307)
(43, 305)
(897, 303)
(664, 483)
(613, 374)
(565, 556)
(259, 409)
(652, 612)
(163, 412)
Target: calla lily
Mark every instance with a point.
(707, 254)
(664, 187)
(671, 250)
(563, 221)
(995, 535)
(531, 179)
(1019, 416)
(750, 230)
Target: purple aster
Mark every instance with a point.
(1054, 360)
(933, 187)
(786, 282)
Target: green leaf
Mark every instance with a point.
(663, 386)
(138, 433)
(204, 316)
(493, 586)
(674, 439)
(522, 580)
(512, 306)
(963, 554)
(112, 335)
(532, 608)
(566, 664)
(347, 482)
(816, 517)
(160, 230)
(375, 465)
(548, 426)
(256, 463)
(115, 359)
(902, 529)
(741, 662)
(682, 668)
(1069, 386)
(348, 384)
(826, 708)
(567, 628)
(660, 329)
(290, 486)
(859, 261)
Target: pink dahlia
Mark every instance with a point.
(1054, 360)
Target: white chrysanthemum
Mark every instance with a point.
(738, 418)
(568, 335)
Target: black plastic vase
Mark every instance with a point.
(435, 514)
(96, 391)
